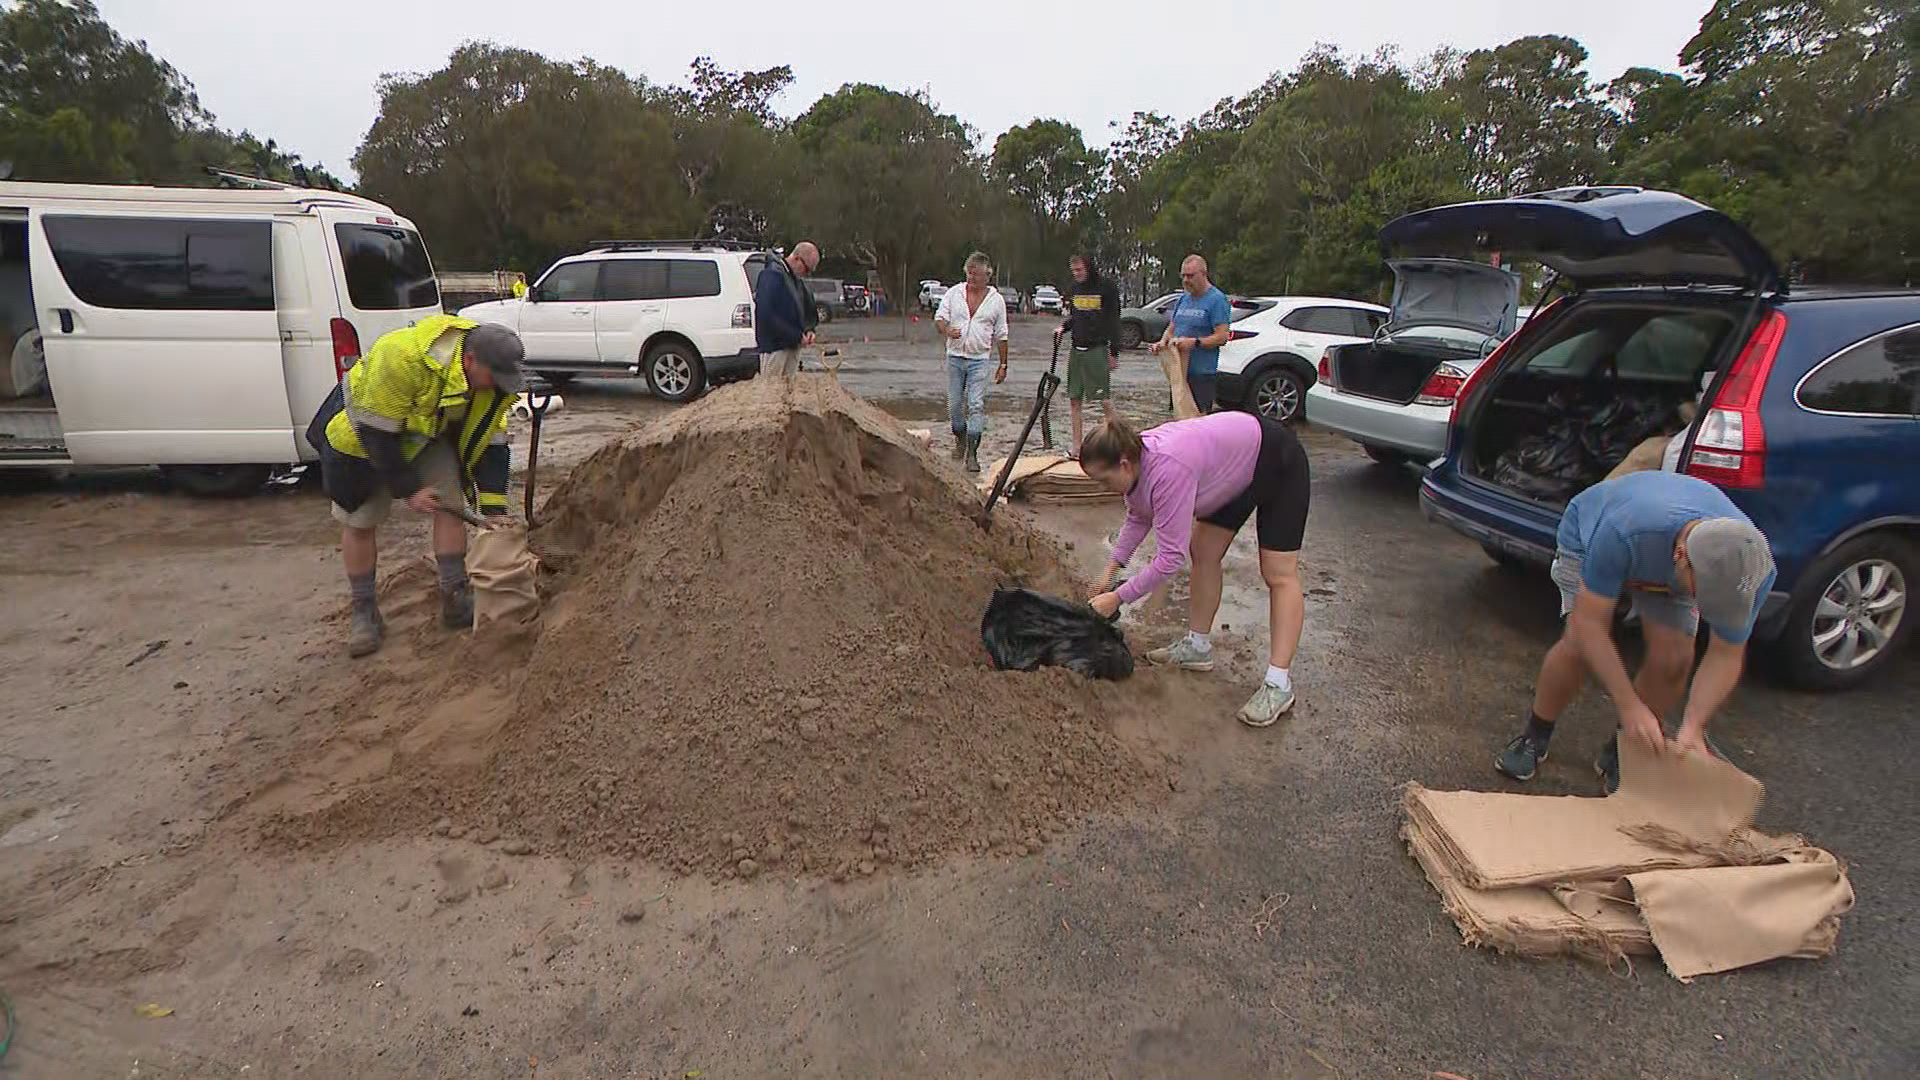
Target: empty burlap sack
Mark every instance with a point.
(1500, 840)
(1173, 364)
(1670, 860)
(505, 576)
(1724, 917)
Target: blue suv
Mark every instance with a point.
(1674, 327)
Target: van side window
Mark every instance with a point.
(165, 264)
(386, 268)
(690, 278)
(634, 279)
(1880, 377)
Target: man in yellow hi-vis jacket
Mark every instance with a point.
(421, 418)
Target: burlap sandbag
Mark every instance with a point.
(1725, 917)
(505, 575)
(1173, 364)
(1500, 840)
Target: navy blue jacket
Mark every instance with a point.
(783, 311)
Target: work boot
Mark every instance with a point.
(1268, 704)
(1182, 654)
(973, 453)
(364, 631)
(959, 446)
(456, 608)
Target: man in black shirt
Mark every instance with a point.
(1093, 318)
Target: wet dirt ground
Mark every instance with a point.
(1262, 921)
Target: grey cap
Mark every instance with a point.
(1731, 564)
(498, 349)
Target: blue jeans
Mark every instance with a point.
(966, 395)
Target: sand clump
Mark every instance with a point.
(762, 655)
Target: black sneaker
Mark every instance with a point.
(1522, 757)
(1608, 765)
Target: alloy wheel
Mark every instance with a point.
(1858, 613)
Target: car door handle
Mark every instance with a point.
(66, 319)
(583, 311)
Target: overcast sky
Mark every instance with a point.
(304, 73)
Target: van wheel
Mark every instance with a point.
(1130, 335)
(675, 372)
(217, 481)
(1851, 614)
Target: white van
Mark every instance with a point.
(197, 329)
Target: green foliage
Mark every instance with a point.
(1797, 117)
(78, 102)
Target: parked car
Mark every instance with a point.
(931, 293)
(460, 288)
(1274, 352)
(856, 299)
(829, 298)
(197, 329)
(1046, 299)
(1809, 420)
(1146, 323)
(1011, 296)
(1394, 395)
(679, 314)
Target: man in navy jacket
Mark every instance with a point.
(783, 311)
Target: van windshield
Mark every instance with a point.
(386, 267)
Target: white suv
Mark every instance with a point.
(679, 314)
(1273, 353)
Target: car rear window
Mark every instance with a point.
(1633, 342)
(386, 268)
(1878, 377)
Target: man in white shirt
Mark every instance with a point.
(972, 317)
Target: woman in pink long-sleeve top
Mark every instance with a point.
(1194, 483)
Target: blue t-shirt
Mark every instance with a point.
(1623, 532)
(1195, 317)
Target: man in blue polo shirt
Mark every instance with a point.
(1683, 552)
(1197, 327)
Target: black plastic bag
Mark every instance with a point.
(1024, 630)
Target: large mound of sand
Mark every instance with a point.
(764, 653)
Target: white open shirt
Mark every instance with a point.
(979, 330)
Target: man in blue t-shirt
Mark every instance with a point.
(1197, 327)
(1679, 548)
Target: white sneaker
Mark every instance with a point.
(1268, 704)
(1182, 654)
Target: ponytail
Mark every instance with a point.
(1110, 443)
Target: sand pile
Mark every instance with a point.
(764, 653)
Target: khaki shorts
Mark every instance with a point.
(1670, 611)
(784, 362)
(438, 469)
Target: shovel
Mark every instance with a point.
(1046, 415)
(1049, 382)
(539, 396)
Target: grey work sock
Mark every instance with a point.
(453, 572)
(360, 589)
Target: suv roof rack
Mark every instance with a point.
(672, 245)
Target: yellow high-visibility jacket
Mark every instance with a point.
(411, 384)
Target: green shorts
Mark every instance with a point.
(1087, 376)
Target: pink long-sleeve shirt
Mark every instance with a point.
(1190, 469)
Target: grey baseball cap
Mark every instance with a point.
(498, 349)
(1731, 564)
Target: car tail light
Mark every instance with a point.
(1325, 369)
(1241, 335)
(1442, 387)
(346, 347)
(743, 316)
(1730, 448)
